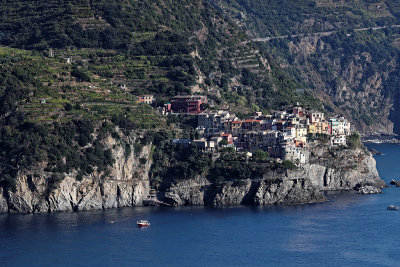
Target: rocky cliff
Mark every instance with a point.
(357, 83)
(342, 169)
(126, 185)
(327, 170)
(268, 191)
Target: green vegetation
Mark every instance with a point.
(178, 162)
(290, 17)
(354, 141)
(147, 44)
(260, 155)
(70, 72)
(223, 142)
(62, 147)
(106, 24)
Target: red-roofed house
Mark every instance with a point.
(228, 137)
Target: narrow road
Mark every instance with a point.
(121, 104)
(319, 34)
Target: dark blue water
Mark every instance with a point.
(349, 230)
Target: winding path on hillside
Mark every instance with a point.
(320, 34)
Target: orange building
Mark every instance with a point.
(146, 99)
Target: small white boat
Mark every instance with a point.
(143, 223)
(392, 207)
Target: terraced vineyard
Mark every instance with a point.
(71, 71)
(60, 96)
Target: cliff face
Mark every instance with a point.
(266, 191)
(126, 185)
(341, 170)
(354, 83)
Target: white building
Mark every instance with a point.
(212, 123)
(205, 146)
(295, 154)
(340, 126)
(338, 140)
(317, 117)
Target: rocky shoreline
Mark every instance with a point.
(291, 187)
(381, 139)
(128, 185)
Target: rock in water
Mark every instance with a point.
(396, 183)
(368, 189)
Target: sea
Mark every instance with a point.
(348, 230)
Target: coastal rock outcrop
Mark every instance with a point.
(343, 169)
(127, 185)
(29, 195)
(329, 169)
(396, 183)
(290, 192)
(367, 189)
(271, 191)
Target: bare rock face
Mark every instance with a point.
(28, 196)
(72, 195)
(127, 186)
(3, 202)
(109, 192)
(284, 191)
(289, 192)
(344, 170)
(232, 194)
(366, 190)
(140, 192)
(337, 170)
(189, 192)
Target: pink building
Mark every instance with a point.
(188, 104)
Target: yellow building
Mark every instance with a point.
(301, 133)
(311, 129)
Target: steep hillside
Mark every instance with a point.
(164, 47)
(73, 136)
(347, 52)
(71, 71)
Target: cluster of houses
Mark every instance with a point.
(282, 134)
(190, 104)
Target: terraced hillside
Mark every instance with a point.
(346, 52)
(71, 72)
(162, 47)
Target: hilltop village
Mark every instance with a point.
(286, 135)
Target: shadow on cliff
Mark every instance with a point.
(395, 114)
